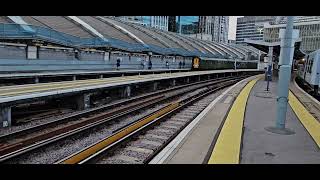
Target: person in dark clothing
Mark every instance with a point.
(167, 64)
(183, 64)
(142, 64)
(118, 64)
(150, 64)
(180, 65)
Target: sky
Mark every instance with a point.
(232, 27)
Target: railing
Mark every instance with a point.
(21, 31)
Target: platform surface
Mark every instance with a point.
(83, 72)
(261, 146)
(195, 145)
(20, 92)
(257, 146)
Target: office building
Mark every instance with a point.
(251, 27)
(309, 31)
(159, 22)
(213, 28)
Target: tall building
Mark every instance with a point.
(172, 24)
(220, 28)
(297, 19)
(188, 24)
(159, 22)
(213, 28)
(309, 31)
(251, 27)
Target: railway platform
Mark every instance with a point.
(47, 76)
(79, 91)
(77, 72)
(231, 130)
(20, 92)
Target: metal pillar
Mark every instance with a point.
(155, 86)
(83, 101)
(5, 116)
(187, 80)
(173, 82)
(126, 93)
(259, 56)
(286, 56)
(36, 80)
(32, 52)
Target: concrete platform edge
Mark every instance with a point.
(177, 142)
(305, 93)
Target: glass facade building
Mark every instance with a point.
(251, 27)
(212, 28)
(159, 22)
(309, 31)
(188, 24)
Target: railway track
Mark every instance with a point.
(138, 142)
(24, 141)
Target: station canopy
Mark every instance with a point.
(264, 47)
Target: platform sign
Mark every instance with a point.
(196, 62)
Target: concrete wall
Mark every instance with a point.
(85, 55)
(56, 54)
(23, 65)
(13, 59)
(12, 52)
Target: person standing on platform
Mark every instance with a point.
(118, 63)
(167, 64)
(180, 65)
(183, 64)
(150, 64)
(142, 64)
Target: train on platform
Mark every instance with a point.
(309, 70)
(220, 64)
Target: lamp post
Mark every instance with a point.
(286, 56)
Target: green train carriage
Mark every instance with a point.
(220, 64)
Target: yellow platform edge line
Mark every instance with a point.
(311, 124)
(227, 147)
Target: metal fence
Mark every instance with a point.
(21, 31)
